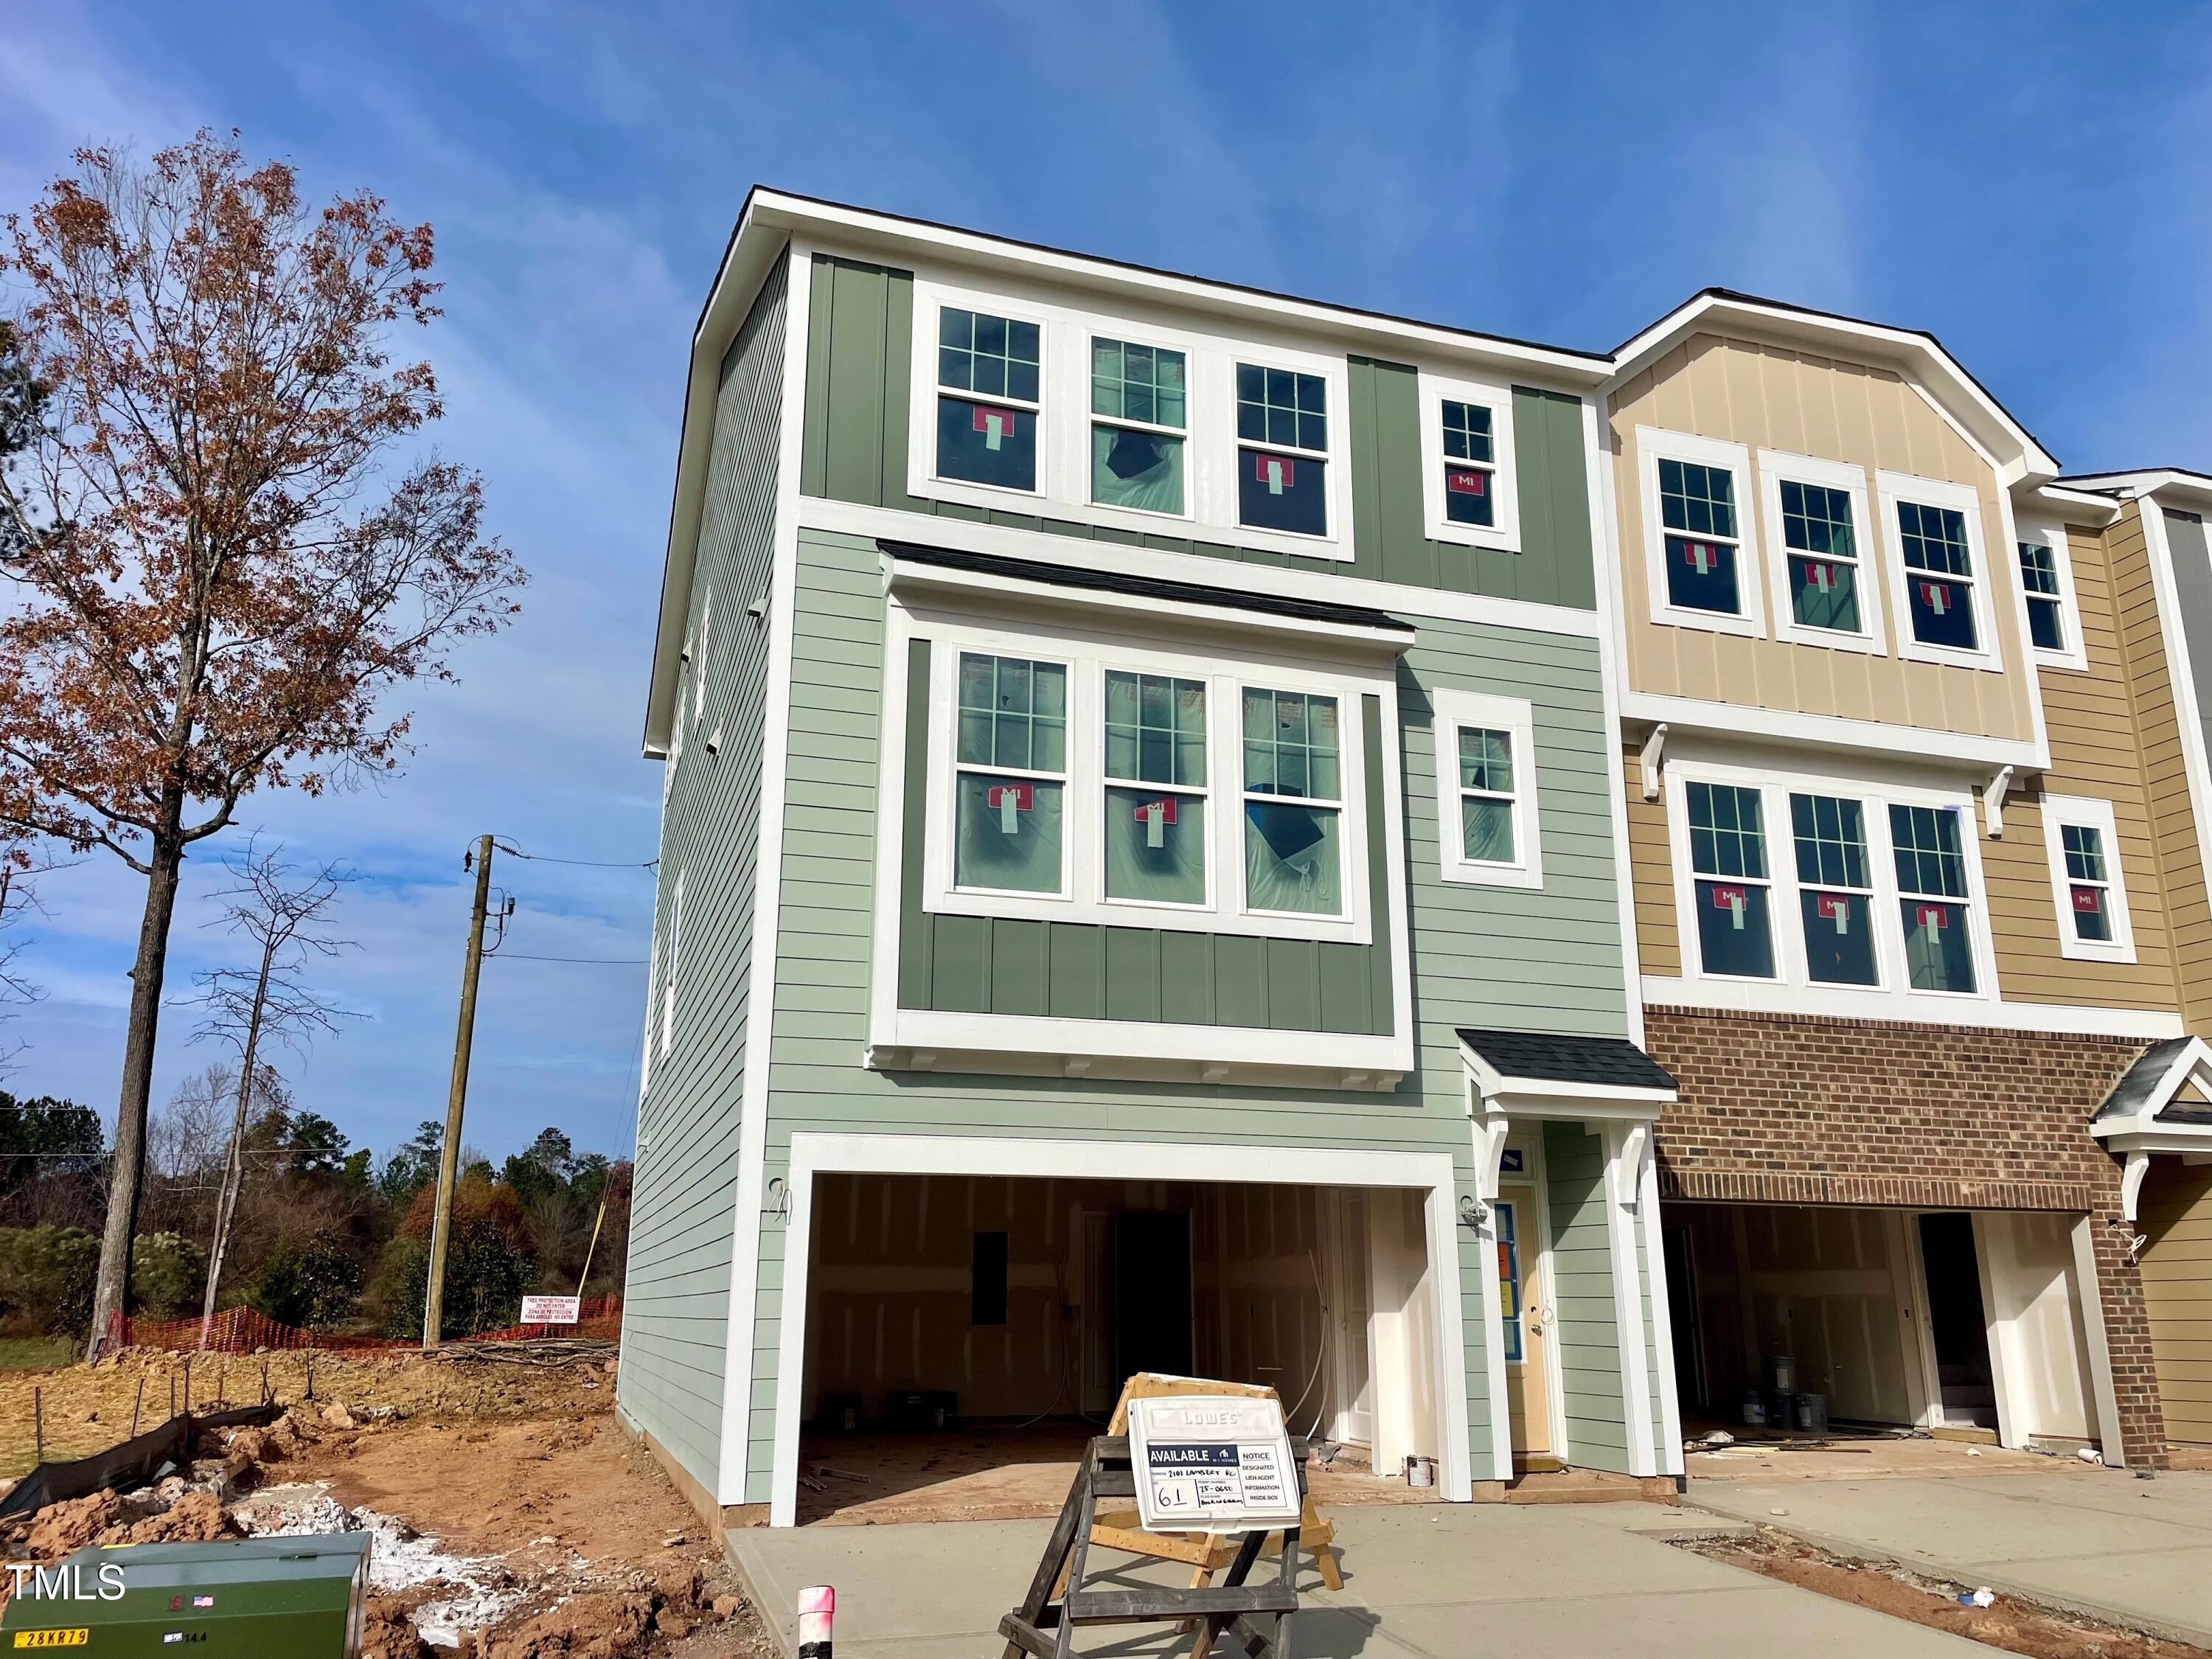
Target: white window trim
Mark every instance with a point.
(1064, 419)
(2087, 811)
(1088, 653)
(675, 967)
(2053, 535)
(1793, 983)
(1981, 587)
(1434, 391)
(1778, 467)
(1653, 445)
(1516, 717)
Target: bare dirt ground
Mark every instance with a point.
(2014, 1625)
(514, 1519)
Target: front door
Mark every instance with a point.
(1527, 1336)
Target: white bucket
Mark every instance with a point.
(1421, 1471)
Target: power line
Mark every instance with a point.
(588, 864)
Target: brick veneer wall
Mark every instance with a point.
(1792, 1109)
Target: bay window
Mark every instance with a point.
(1835, 892)
(1293, 860)
(1727, 855)
(1932, 897)
(1156, 796)
(1011, 780)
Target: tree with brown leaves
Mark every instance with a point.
(215, 584)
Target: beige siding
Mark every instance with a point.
(2089, 716)
(1652, 874)
(2179, 868)
(2177, 1281)
(1764, 395)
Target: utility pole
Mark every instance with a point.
(449, 1164)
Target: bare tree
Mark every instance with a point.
(283, 912)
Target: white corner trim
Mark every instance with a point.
(768, 896)
(1654, 444)
(1605, 558)
(1430, 1173)
(2105, 1396)
(1984, 585)
(1778, 467)
(1657, 1291)
(1496, 396)
(2089, 812)
(1457, 710)
(2180, 674)
(1628, 1303)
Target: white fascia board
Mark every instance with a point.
(915, 574)
(1529, 1097)
(2193, 1060)
(1683, 716)
(1786, 1001)
(2069, 506)
(893, 524)
(887, 235)
(919, 1039)
(2011, 445)
(2153, 481)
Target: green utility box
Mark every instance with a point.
(254, 1598)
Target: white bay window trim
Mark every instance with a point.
(1777, 467)
(1654, 444)
(1457, 711)
(2087, 813)
(1435, 391)
(1226, 673)
(1985, 582)
(1793, 988)
(1211, 450)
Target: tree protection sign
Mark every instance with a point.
(1214, 1463)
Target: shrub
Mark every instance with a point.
(316, 1285)
(488, 1263)
(168, 1271)
(46, 1276)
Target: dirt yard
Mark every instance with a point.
(2006, 1623)
(514, 1519)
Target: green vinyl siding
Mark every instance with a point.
(1588, 1347)
(1546, 959)
(676, 1311)
(1082, 970)
(855, 444)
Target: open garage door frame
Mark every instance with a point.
(1429, 1174)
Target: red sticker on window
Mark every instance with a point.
(1934, 916)
(1822, 577)
(1702, 556)
(1162, 811)
(1466, 484)
(1936, 596)
(2091, 899)
(1728, 898)
(1019, 796)
(998, 422)
(1836, 907)
(1278, 472)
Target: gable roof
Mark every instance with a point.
(1606, 1063)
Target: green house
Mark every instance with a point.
(1142, 882)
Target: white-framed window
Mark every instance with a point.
(2082, 842)
(2046, 582)
(1125, 421)
(1097, 777)
(1882, 884)
(1701, 557)
(1817, 551)
(1487, 832)
(1468, 488)
(988, 394)
(1940, 581)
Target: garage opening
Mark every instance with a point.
(1965, 1322)
(966, 1335)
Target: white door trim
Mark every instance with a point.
(813, 1154)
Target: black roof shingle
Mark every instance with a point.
(1545, 1057)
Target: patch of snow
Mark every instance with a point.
(400, 1558)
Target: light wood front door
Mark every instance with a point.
(1526, 1332)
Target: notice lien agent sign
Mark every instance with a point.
(548, 1310)
(1212, 1463)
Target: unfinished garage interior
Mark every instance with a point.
(1012, 1308)
(1941, 1319)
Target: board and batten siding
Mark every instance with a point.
(1763, 396)
(859, 371)
(1546, 959)
(676, 1309)
(1584, 1324)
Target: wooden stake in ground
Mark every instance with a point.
(137, 1401)
(449, 1160)
(38, 1420)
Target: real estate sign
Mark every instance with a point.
(1215, 1463)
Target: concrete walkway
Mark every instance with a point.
(1454, 1581)
(2138, 1552)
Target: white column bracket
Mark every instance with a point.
(1651, 758)
(1993, 800)
(2131, 1183)
(1627, 1170)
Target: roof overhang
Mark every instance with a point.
(2179, 482)
(2068, 504)
(2163, 1105)
(1919, 355)
(915, 570)
(1501, 1092)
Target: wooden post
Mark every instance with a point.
(38, 1420)
(449, 1160)
(135, 1404)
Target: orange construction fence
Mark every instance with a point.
(242, 1330)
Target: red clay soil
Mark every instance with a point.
(2012, 1625)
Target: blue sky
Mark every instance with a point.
(2027, 181)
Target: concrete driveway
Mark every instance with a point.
(2137, 1553)
(1447, 1582)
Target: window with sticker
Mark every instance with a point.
(988, 378)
